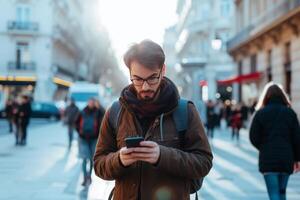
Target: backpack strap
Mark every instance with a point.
(180, 116)
(114, 115)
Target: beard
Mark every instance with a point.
(147, 95)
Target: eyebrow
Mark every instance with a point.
(155, 74)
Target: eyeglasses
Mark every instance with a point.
(150, 80)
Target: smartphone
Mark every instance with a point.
(133, 141)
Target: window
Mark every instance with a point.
(205, 11)
(253, 63)
(22, 54)
(23, 13)
(269, 65)
(225, 8)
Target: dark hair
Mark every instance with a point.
(272, 91)
(147, 53)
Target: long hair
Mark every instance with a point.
(271, 91)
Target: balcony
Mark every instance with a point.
(24, 66)
(19, 27)
(260, 23)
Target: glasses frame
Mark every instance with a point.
(146, 80)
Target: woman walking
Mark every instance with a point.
(275, 133)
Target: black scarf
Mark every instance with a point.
(166, 101)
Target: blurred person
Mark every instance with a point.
(100, 108)
(218, 113)
(70, 116)
(275, 132)
(228, 112)
(210, 118)
(161, 164)
(236, 122)
(24, 113)
(244, 113)
(16, 120)
(9, 114)
(88, 125)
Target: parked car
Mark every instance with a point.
(45, 110)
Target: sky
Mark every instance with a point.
(130, 21)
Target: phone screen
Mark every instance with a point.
(133, 141)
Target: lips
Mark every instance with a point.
(147, 93)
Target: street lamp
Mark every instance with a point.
(216, 43)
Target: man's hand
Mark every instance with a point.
(126, 157)
(148, 152)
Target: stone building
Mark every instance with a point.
(266, 47)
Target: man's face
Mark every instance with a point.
(91, 103)
(146, 90)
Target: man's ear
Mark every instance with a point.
(163, 70)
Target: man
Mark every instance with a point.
(159, 168)
(71, 114)
(88, 125)
(24, 117)
(9, 114)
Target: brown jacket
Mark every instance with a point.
(170, 178)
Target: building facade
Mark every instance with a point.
(201, 59)
(46, 45)
(266, 46)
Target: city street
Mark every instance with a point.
(46, 170)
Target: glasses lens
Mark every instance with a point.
(152, 80)
(137, 82)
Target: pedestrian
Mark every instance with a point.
(16, 120)
(210, 118)
(245, 114)
(87, 125)
(275, 132)
(166, 163)
(70, 116)
(24, 118)
(236, 123)
(9, 114)
(100, 108)
(228, 112)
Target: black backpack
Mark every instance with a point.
(180, 117)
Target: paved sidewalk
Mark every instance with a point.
(46, 170)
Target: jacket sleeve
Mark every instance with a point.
(255, 133)
(296, 137)
(107, 164)
(195, 160)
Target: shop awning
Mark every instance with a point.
(18, 80)
(244, 78)
(203, 83)
(62, 82)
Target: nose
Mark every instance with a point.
(145, 86)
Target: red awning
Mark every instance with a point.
(203, 83)
(241, 78)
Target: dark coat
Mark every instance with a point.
(98, 116)
(175, 168)
(71, 114)
(25, 113)
(275, 133)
